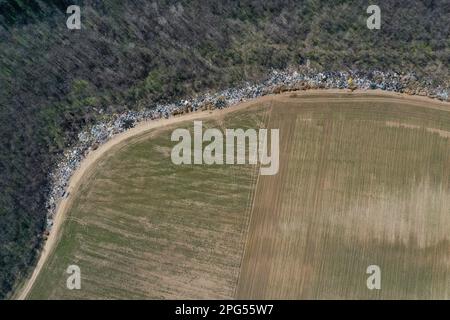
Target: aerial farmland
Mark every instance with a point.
(363, 180)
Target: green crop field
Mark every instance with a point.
(363, 180)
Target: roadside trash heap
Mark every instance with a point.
(278, 81)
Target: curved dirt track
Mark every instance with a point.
(89, 163)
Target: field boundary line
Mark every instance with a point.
(252, 200)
